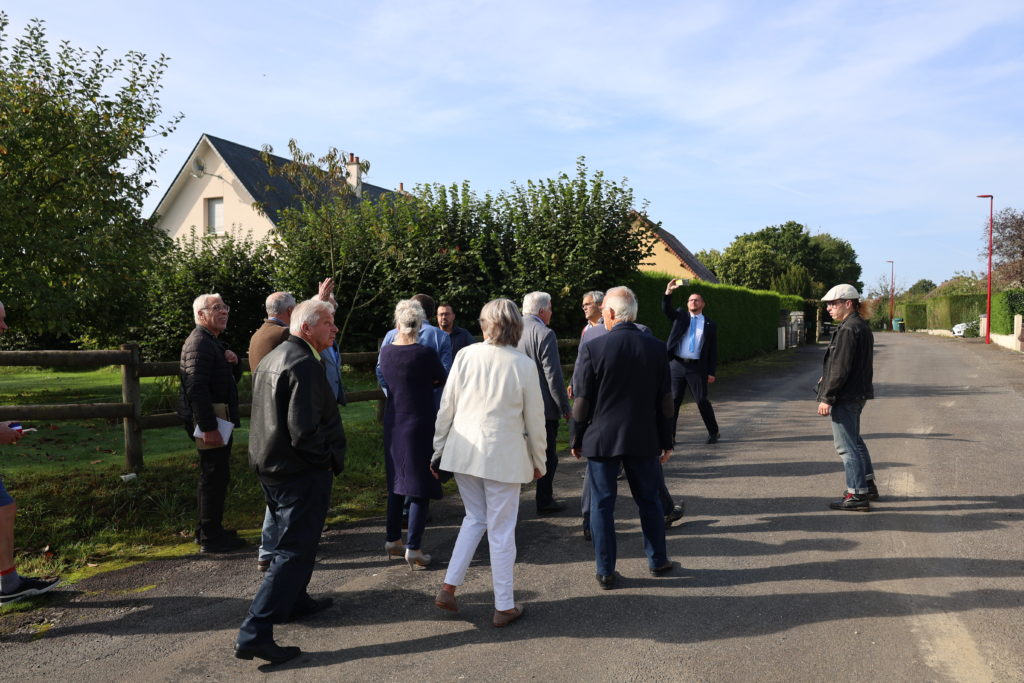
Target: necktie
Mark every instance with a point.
(693, 334)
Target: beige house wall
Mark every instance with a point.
(185, 204)
(664, 261)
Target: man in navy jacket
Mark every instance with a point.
(624, 416)
(693, 355)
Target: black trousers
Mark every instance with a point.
(214, 477)
(545, 485)
(299, 506)
(689, 376)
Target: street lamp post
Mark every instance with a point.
(988, 299)
(892, 294)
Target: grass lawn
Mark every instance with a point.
(76, 516)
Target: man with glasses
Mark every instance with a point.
(844, 388)
(209, 374)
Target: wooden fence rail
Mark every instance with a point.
(130, 408)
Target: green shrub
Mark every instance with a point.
(747, 320)
(914, 314)
(1005, 305)
(946, 311)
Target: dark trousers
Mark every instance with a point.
(418, 509)
(545, 485)
(214, 476)
(299, 507)
(689, 376)
(644, 476)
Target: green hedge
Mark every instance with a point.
(946, 311)
(914, 314)
(1005, 305)
(747, 320)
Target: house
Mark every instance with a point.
(220, 183)
(670, 256)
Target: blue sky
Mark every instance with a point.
(877, 122)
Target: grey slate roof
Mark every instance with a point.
(273, 192)
(685, 255)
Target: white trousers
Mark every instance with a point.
(491, 506)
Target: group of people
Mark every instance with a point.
(486, 414)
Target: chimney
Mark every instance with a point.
(355, 174)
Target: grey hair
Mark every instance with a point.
(622, 300)
(501, 322)
(409, 317)
(597, 296)
(279, 302)
(200, 303)
(535, 302)
(308, 313)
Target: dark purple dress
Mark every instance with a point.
(410, 372)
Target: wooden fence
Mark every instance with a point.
(129, 410)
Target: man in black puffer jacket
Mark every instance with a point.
(295, 442)
(843, 389)
(209, 378)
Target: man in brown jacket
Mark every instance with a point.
(274, 329)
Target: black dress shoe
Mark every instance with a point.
(662, 570)
(713, 438)
(551, 508)
(272, 652)
(605, 581)
(309, 607)
(587, 536)
(224, 544)
(675, 514)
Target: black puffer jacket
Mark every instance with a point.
(295, 425)
(207, 378)
(847, 371)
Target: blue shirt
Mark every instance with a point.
(696, 330)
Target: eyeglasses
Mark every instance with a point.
(832, 304)
(216, 308)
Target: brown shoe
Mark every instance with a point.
(508, 616)
(446, 600)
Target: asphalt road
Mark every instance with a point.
(771, 584)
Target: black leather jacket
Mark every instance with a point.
(295, 425)
(847, 371)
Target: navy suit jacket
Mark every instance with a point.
(623, 382)
(680, 318)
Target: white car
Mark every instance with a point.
(959, 329)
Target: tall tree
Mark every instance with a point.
(75, 163)
(833, 261)
(921, 287)
(1007, 247)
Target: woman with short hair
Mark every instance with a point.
(490, 434)
(411, 372)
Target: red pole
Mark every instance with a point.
(892, 294)
(988, 299)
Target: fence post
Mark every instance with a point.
(131, 393)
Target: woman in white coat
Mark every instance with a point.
(490, 434)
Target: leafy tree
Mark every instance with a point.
(794, 280)
(1007, 247)
(757, 259)
(833, 261)
(921, 287)
(75, 156)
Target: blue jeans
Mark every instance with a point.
(645, 478)
(851, 448)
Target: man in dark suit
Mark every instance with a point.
(623, 411)
(539, 343)
(693, 355)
